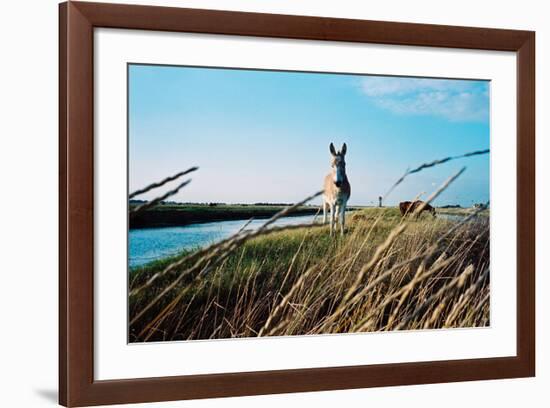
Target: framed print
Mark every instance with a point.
(255, 203)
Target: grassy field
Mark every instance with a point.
(385, 273)
(462, 211)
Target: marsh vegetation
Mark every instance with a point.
(385, 273)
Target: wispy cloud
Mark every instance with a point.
(455, 100)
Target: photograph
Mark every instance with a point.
(287, 203)
(275, 204)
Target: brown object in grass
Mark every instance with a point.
(413, 207)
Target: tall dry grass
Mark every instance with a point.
(386, 273)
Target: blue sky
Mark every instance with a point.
(263, 136)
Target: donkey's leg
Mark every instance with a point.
(325, 208)
(342, 219)
(337, 216)
(332, 214)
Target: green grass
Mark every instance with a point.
(306, 282)
(462, 211)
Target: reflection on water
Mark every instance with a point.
(149, 244)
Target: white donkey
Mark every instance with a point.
(337, 190)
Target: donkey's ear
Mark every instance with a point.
(332, 150)
(344, 149)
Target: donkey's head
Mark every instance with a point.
(338, 164)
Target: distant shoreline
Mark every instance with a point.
(182, 215)
(179, 215)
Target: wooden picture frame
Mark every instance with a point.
(77, 386)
